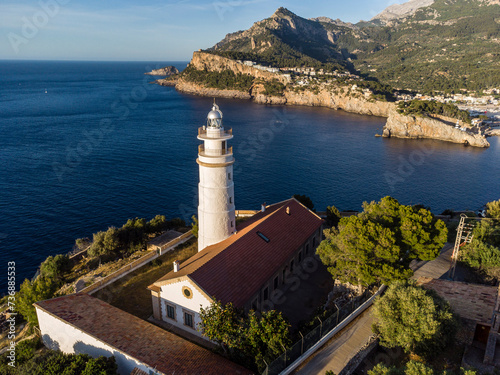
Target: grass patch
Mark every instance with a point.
(130, 293)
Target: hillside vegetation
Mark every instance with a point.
(449, 46)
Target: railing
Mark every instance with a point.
(310, 339)
(203, 131)
(134, 265)
(211, 152)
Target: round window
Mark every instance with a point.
(187, 292)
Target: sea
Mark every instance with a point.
(88, 145)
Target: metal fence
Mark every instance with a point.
(311, 338)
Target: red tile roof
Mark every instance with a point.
(141, 340)
(235, 269)
(471, 301)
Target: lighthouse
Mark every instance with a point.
(216, 213)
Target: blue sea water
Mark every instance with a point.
(87, 145)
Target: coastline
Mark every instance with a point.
(397, 125)
(348, 97)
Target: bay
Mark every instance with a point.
(87, 145)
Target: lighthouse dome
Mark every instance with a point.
(214, 117)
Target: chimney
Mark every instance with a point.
(288, 210)
(263, 207)
(176, 265)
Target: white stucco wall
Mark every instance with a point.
(216, 210)
(173, 295)
(60, 335)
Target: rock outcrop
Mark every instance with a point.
(347, 102)
(215, 63)
(195, 89)
(401, 126)
(166, 71)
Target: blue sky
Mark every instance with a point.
(150, 30)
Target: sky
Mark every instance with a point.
(148, 30)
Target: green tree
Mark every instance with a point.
(305, 200)
(258, 336)
(57, 363)
(104, 243)
(54, 267)
(82, 243)
(418, 368)
(493, 209)
(194, 226)
(157, 224)
(412, 368)
(382, 369)
(30, 292)
(101, 366)
(377, 245)
(332, 216)
(222, 324)
(416, 319)
(267, 335)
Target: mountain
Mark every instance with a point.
(285, 39)
(398, 11)
(422, 45)
(447, 46)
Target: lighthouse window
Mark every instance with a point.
(230, 199)
(229, 176)
(232, 224)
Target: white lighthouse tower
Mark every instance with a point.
(216, 215)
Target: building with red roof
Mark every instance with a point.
(80, 323)
(246, 269)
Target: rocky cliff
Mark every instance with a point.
(348, 98)
(424, 127)
(196, 89)
(215, 63)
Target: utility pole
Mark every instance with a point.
(464, 236)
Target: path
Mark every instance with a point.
(337, 352)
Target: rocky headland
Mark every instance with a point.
(402, 126)
(346, 97)
(166, 71)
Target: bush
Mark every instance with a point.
(423, 107)
(225, 79)
(274, 88)
(55, 267)
(332, 216)
(25, 350)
